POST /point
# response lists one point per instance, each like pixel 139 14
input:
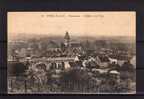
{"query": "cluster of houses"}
pixel 67 51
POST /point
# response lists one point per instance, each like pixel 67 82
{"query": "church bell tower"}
pixel 67 39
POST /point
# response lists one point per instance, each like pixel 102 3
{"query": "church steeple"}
pixel 67 38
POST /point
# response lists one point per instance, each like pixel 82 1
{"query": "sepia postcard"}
pixel 71 52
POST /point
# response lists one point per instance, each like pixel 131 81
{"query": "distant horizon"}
pixel 47 35
pixel 26 37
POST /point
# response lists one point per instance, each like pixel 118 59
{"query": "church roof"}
pixel 75 44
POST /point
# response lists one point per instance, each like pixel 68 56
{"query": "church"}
pixel 72 47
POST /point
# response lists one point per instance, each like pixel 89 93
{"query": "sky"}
pixel 120 23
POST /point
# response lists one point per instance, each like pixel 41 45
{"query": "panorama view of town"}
pixel 71 64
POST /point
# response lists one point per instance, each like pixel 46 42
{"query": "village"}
pixel 71 66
